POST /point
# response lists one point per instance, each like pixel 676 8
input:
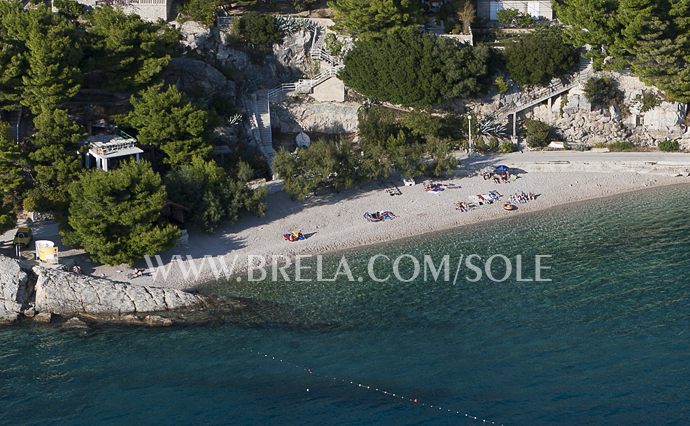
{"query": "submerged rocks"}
pixel 67 294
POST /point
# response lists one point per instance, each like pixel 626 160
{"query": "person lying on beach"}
pixel 497 179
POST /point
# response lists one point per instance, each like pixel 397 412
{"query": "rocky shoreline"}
pixel 54 296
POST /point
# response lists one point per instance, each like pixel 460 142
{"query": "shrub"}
pixel 538 57
pixel 203 11
pixel 259 31
pixel 333 45
pixel 538 133
pixel 524 21
pixel 507 16
pixel 502 85
pixel 619 146
pixel 603 92
pixel 506 147
pixel 669 146
pixel 648 100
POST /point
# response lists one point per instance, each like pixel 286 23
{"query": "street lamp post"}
pixel 470 145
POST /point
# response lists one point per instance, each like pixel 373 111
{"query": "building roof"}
pixel 111 146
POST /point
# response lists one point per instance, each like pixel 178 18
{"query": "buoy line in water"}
pixel 412 400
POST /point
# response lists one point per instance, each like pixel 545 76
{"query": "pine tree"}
pixel 53 55
pixel 168 121
pixel 212 195
pixel 11 174
pixel 55 161
pixel 374 16
pixel 125 51
pixel 12 55
pixel 114 215
pixel 591 22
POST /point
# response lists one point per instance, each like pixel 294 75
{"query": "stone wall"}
pixel 575 119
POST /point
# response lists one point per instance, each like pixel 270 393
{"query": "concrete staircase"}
pixel 259 103
pixel 545 93
pixel 263 122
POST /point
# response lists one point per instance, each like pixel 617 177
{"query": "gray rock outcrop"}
pixel 200 80
pixel 317 117
pixel 66 294
pixel 13 282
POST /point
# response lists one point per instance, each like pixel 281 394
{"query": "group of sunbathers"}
pixel 522 197
pixel 480 199
pixel 498 177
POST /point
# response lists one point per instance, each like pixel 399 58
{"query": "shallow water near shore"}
pixel 606 341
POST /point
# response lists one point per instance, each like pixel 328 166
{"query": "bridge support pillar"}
pixel 514 124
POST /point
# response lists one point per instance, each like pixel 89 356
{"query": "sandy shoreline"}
pixel 337 223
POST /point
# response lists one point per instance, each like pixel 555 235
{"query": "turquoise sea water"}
pixel 606 341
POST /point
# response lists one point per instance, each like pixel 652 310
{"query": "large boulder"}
pixel 666 120
pixel 66 294
pixel 194 35
pixel 317 117
pixel 200 80
pixel 13 282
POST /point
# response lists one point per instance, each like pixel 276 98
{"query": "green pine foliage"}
pixel 259 31
pixel 415 69
pixel 211 195
pixel 52 53
pixel 412 145
pixel 11 174
pixel 203 11
pixel 165 119
pixel 114 216
pixel 538 57
pixel 124 52
pixel 55 160
pixel 374 16
pixel 324 163
pixel 12 54
pixel 651 37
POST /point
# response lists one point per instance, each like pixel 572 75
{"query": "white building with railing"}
pixel 150 10
pixel 106 152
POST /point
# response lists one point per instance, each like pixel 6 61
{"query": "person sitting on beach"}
pixel 497 179
pixel 486 176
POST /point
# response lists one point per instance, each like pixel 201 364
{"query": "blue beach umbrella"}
pixel 501 168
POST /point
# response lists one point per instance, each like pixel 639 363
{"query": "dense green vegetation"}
pixel 603 92
pixel 323 164
pixel 373 17
pixel 391 143
pixel 211 195
pixel 55 159
pixel 538 57
pixel 538 133
pixel 165 119
pixel 46 59
pixel 412 68
pixel 203 11
pixel 261 32
pixel 650 36
pixel 113 215
pixel 669 145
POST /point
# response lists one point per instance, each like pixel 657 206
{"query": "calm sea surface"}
pixel 606 341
